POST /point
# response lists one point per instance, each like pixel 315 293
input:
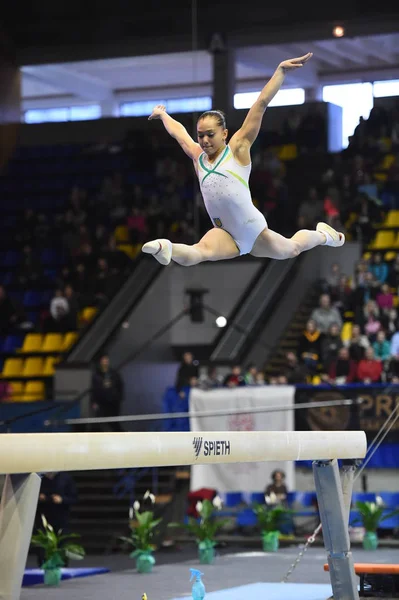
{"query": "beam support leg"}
pixel 334 520
pixel 17 517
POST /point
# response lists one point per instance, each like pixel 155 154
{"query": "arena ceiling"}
pixel 80 49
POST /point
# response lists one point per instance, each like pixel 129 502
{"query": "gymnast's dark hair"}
pixel 216 114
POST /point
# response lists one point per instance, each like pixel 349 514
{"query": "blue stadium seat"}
pixel 258 497
pixel 363 497
pixel 32 298
pixel 390 499
pixel 12 342
pixel 246 518
pixel 231 499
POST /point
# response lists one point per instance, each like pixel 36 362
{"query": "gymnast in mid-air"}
pixel 223 171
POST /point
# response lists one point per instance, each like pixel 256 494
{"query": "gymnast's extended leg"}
pixel 215 245
pixel 270 244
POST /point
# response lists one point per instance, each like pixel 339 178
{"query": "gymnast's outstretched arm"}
pixel 177 131
pixel 243 139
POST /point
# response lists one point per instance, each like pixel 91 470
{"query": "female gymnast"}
pixel 223 171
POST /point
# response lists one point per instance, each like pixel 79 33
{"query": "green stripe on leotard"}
pixel 210 171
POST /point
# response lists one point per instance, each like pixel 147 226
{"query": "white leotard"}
pixel 227 197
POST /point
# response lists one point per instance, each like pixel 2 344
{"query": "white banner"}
pixel 241 477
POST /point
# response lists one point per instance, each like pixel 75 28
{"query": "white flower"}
pixel 150 496
pixel 380 501
pixel 271 499
pixel 136 505
pixel 131 513
pixel 44 521
pixel 217 502
pixel 198 506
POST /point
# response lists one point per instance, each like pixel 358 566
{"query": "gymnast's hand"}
pixel 295 63
pixel 157 112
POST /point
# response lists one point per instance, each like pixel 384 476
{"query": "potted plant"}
pixel 205 528
pixel 142 528
pixel 57 548
pixel 371 514
pixel 270 519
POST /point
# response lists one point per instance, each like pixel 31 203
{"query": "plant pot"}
pixel 206 555
pixel 52 576
pixel 370 540
pixel 145 562
pixel 270 541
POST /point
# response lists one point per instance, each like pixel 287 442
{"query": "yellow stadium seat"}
pixel 288 152
pixel 121 234
pixel 89 312
pixel 12 367
pixel 33 367
pixel 316 380
pixel 69 340
pixel 48 369
pixel 390 256
pixel 17 389
pixel 396 301
pixel 392 219
pixel 34 391
pixel 346 332
pixel 383 240
pixel 52 342
pixel 366 256
pixel 32 343
pixel 128 249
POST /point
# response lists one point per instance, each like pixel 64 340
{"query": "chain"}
pixel 309 541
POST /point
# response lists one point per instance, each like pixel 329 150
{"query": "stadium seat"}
pixel 392 219
pixel 32 298
pixel 121 234
pixel 363 497
pixel 88 313
pixel 32 343
pixel 34 391
pixel 17 389
pixel 231 499
pixel 48 368
pixel 346 332
pixel 383 240
pixel 128 249
pixel 33 367
pixel 12 367
pixel 12 342
pixel 52 342
pixel 390 256
pixel 69 340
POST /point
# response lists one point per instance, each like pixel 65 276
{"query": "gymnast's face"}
pixel 211 136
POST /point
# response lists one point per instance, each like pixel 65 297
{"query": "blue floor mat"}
pixel 35 576
pixel 272 591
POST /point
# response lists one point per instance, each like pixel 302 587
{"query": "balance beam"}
pixel 46 452
pixel 23 456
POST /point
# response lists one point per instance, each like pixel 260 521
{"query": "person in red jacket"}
pixel 344 369
pixel 369 369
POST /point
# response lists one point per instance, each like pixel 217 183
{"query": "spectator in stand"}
pixel 137 225
pixel 395 346
pixel 310 210
pixel 342 296
pixel 250 374
pixel 331 345
pixel 73 306
pixel 372 323
pixel 385 298
pixel 211 381
pixel 235 378
pixel 59 312
pixel 343 370
pixel 357 344
pixel 11 314
pixel 381 347
pixel 369 369
pixel 333 279
pixel 326 315
pixel 393 276
pixel 188 372
pixel 106 394
pixel 293 371
pixel 276 492
pixel 309 347
pixel 29 270
pixel 260 378
pixel 390 323
pixel 379 268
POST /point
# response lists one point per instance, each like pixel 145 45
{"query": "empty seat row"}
pixel 31 391
pixel 48 256
pixel 29 367
pixel 50 342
